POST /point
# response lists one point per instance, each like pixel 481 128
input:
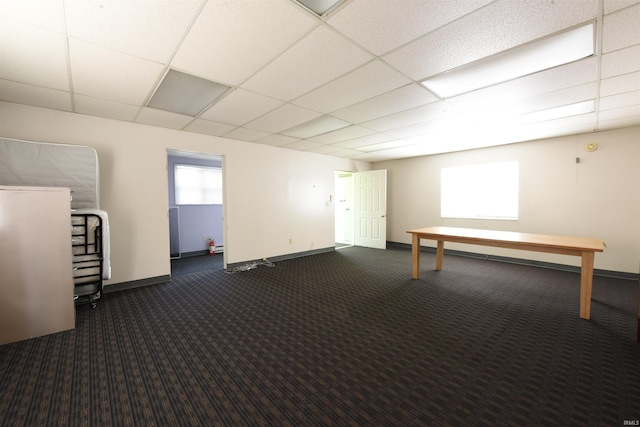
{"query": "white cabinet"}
pixel 36 278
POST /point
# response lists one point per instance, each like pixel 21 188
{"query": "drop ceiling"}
pixel 346 83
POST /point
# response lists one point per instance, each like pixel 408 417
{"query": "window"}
pixel 198 185
pixel 486 191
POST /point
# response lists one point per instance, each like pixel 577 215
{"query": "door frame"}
pixel 344 200
pixel 206 156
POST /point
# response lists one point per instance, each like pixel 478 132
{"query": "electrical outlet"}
pixel 290 240
pixel 204 237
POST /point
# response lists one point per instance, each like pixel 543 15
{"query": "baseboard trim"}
pixel 232 266
pixel 522 261
pixel 218 249
pixel 123 286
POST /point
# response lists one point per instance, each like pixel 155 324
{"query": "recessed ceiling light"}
pixel 319 7
pixel 185 94
pixel 530 58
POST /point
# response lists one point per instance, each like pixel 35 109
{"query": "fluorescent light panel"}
pixel 527 59
pixel 185 94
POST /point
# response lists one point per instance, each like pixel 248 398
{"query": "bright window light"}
pixel 198 185
pixel 485 191
pixel 527 59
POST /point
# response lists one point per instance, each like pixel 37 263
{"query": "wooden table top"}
pixel 480 236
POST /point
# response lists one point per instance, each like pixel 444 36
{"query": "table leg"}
pixel 586 283
pixel 415 255
pixel 638 329
pixel 439 255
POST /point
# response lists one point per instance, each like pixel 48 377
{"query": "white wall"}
pixel 598 197
pixel 272 194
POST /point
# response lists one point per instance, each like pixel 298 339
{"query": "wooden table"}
pixel 577 246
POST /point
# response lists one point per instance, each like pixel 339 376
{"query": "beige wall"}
pixel 598 197
pixel 272 194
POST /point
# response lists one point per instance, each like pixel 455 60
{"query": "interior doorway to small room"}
pixel 344 209
pixel 196 211
pixel 360 209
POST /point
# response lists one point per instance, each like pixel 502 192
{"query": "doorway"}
pixel 360 209
pixel 344 219
pixel 195 225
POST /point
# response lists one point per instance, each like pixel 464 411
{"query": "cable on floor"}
pixel 251 266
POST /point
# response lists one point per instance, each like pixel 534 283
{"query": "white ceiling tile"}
pixel 325 149
pixel 499 26
pixel 35 95
pixel 231 40
pixel 621 29
pixel 240 107
pixel 108 109
pixel 621 62
pixel 317 59
pixel 628 99
pixel 347 153
pixel 368 81
pixel 416 115
pixel 282 118
pixel 350 132
pixel 418 129
pixel 581 120
pixel 620 84
pixel 548 100
pixel 208 128
pixel 390 24
pixel 364 141
pixel 33 56
pixel 161 118
pixel 303 145
pixel 149 29
pixel 385 145
pixel 116 51
pixel 44 14
pixel 569 126
pixel 388 154
pixel 245 134
pixel 613 5
pixel 404 98
pixel 277 140
pixel 317 126
pixel 107 74
pixel 627 116
pixel 632 112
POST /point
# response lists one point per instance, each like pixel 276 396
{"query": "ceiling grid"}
pixel 346 82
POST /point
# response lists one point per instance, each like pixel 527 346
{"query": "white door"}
pixel 371 209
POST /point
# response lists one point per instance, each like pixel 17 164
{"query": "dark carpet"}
pixel 344 338
pixel 196 264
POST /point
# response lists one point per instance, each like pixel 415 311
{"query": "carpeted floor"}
pixel 344 338
pixel 195 264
